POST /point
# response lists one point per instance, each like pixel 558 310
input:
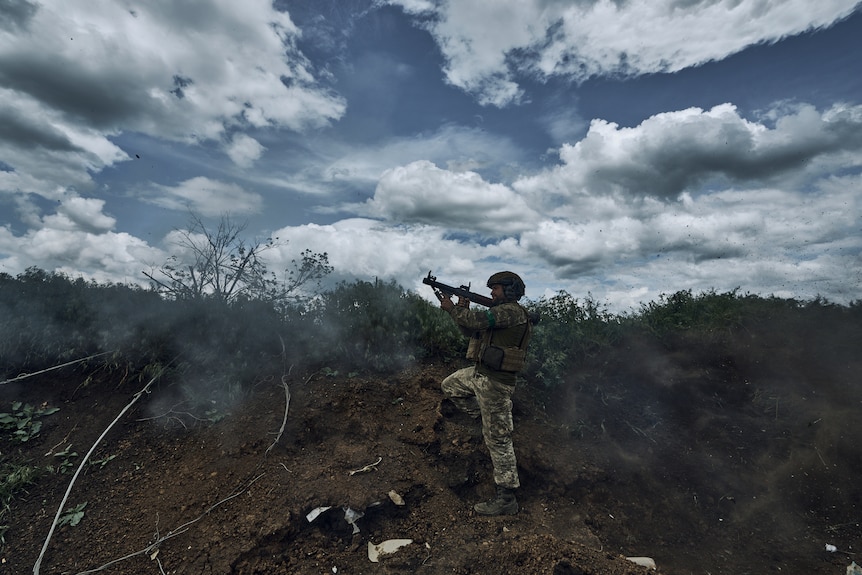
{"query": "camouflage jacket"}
pixel 505 326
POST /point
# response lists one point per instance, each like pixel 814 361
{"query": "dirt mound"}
pixel 706 463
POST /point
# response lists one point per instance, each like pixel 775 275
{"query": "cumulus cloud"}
pixel 421 192
pixel 368 249
pixel 244 150
pixel 458 148
pixel 45 151
pixel 66 242
pixel 77 74
pixel 81 214
pixel 206 197
pixel 692 199
pixel 488 46
pixel 674 151
pixel 364 248
pixel 761 239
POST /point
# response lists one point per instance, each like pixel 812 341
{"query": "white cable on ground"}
pixel 26 375
pixel 81 466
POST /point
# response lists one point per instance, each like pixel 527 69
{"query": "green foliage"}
pixel 24 420
pixel 47 319
pixel 64 460
pixel 682 311
pixel 569 331
pixel 215 346
pixel 14 479
pixel 101 463
pixel 73 516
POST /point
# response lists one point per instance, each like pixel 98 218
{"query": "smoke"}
pixel 752 434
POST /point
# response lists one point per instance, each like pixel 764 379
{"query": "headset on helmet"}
pixel 513 285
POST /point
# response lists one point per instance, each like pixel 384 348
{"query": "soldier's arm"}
pixel 497 317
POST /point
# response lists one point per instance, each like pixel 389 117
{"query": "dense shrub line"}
pixel 48 318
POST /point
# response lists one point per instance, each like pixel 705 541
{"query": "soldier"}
pixel 498 342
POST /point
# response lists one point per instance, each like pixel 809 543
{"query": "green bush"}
pixel 682 311
pixel 568 331
pixel 216 348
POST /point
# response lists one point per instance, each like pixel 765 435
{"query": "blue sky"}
pixel 623 149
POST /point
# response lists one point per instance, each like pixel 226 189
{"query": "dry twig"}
pixel 284 379
pixel 369 467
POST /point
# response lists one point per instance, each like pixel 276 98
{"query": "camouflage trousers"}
pixel 477 394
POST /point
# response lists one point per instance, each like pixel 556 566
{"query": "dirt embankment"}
pixel 725 461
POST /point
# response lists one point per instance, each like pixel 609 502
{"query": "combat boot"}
pixel 503 504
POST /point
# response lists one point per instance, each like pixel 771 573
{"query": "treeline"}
pixel 48 319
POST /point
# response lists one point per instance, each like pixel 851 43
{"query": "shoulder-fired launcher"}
pixel 463 291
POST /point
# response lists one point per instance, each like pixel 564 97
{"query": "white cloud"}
pixel 330 165
pixel 488 45
pixel 676 151
pixel 456 147
pixel 244 150
pixel 367 248
pixel 421 192
pixel 763 240
pixel 77 73
pixel 81 214
pixel 629 206
pixel 103 257
pixel 206 197
pixel 636 212
pixel 47 151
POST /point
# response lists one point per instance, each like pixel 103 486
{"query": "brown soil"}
pixel 743 461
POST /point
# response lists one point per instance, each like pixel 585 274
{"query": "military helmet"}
pixel 513 285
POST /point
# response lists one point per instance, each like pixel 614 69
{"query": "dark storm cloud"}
pixel 28 132
pixel 16 14
pixel 85 94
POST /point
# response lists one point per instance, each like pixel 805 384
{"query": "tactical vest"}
pixel 502 349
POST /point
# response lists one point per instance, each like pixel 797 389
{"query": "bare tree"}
pixel 220 264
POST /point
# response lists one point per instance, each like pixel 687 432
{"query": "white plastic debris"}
pixel 385 548
pixel 315 513
pixel 351 515
pixel 396 499
pixel 643 561
pixel 831 548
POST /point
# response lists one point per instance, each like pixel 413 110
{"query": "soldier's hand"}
pixel 463 302
pixel 446 303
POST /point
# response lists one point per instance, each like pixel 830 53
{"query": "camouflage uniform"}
pixel 486 391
